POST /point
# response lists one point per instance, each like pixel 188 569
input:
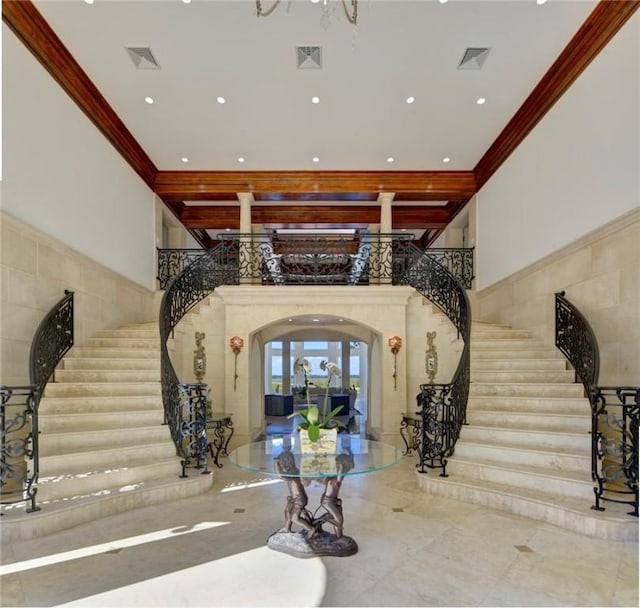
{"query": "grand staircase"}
pixel 527 446
pixel 103 446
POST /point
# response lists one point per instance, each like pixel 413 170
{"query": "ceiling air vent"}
pixel 473 58
pixel 142 58
pixel 309 57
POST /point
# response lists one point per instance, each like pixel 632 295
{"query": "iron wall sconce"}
pixel 395 344
pixel 236 343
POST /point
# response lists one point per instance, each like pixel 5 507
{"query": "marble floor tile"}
pixel 414 550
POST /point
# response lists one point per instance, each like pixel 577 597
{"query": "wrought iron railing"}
pixel 614 465
pixel 577 342
pixel 19 455
pixel 316 259
pixel 19 445
pixel 614 411
pixel 52 340
pixel 442 407
pixel 185 291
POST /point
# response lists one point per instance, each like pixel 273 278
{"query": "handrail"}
pixel 318 259
pixel 575 338
pixel 185 291
pixel 442 407
pixel 614 411
pixel 52 340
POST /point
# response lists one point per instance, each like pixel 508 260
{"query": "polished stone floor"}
pixel 414 550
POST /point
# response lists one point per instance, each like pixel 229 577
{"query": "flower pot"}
pixel 326 443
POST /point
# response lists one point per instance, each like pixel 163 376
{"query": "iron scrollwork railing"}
pixel 19 448
pixel 19 454
pixel 185 291
pixel 52 340
pixel 318 259
pixel 577 342
pixel 614 411
pixel 192 423
pixel 442 407
pixel 615 419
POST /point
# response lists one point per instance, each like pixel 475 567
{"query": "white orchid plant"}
pixel 312 421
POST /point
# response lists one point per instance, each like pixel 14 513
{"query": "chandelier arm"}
pixel 353 17
pixel 262 13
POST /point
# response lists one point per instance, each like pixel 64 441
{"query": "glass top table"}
pixel 281 457
pixel 353 456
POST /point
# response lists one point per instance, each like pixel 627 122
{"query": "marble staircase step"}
pixel 61 423
pixel 527 438
pixel 526 389
pixel 505 352
pixel 61 514
pixel 512 364
pixel 114 457
pixel 99 363
pixel 97 404
pixel 152 333
pixel 565 423
pixel 578 406
pixel 130 343
pixel 566 512
pixel 494 333
pixel 558 458
pixel 106 389
pixel 519 376
pixel 113 353
pixel 106 375
pixel 88 481
pixel 564 483
pixel 506 343
pixel 53 444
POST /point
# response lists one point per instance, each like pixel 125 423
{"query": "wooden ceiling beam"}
pixel 212 185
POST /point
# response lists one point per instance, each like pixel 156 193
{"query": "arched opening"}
pixel 315 338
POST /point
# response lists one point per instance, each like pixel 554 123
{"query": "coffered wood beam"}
pixel 221 185
pixel 602 24
pixel 35 33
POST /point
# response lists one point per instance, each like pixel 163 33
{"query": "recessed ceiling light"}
pixel 390 159
pixel 443 1
pixel 184 159
pixel 340 320
pixel 149 100
pixel 227 229
pixel 88 1
pixel 403 229
pixel 186 1
pixel 221 100
pixel 315 1
pixel 315 100
pixel 480 100
pixel 240 159
pixel 316 320
pixel 541 2
pixel 315 159
pixel 446 159
pixel 410 99
pixel 290 320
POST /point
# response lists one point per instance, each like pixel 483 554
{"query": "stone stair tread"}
pixel 576 476
pixel 549 499
pixel 62 514
pixel 76 405
pixel 479 427
pixel 506 445
pixel 529 413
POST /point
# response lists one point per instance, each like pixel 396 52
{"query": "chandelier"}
pixel 352 15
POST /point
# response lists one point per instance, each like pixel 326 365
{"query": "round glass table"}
pixel 280 456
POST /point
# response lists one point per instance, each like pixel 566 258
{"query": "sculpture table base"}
pixel 299 544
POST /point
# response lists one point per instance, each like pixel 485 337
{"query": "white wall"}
pixel 62 176
pixel 577 170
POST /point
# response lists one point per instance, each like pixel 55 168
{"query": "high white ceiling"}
pixel 208 49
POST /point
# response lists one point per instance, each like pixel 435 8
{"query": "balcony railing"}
pixel 363 259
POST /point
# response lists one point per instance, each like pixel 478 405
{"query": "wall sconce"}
pixel 395 344
pixel 236 343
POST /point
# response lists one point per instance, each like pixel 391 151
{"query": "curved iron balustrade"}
pixel 51 342
pixel 19 454
pixel 442 407
pixel 19 428
pixel 614 411
pixel 389 258
pixel 577 342
pixel 318 259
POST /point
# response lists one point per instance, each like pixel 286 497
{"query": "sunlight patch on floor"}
pixel 122 543
pixel 258 577
pixel 249 484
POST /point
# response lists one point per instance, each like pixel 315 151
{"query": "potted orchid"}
pixel 314 423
